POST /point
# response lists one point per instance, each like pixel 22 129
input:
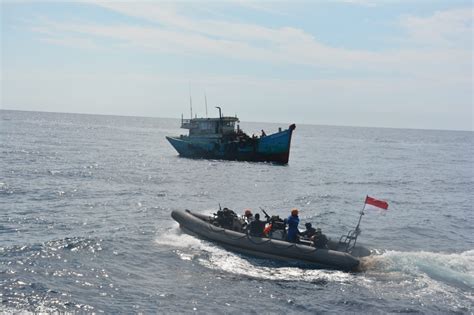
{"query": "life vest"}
pixel 267 230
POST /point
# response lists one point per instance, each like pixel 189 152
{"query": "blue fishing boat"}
pixel 221 138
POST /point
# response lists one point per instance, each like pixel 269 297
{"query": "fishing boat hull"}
pixel 272 148
pixel 331 258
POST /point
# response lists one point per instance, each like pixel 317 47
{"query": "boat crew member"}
pixel 293 221
pixel 319 239
pixel 309 232
pixel 248 216
pixel 228 219
pixel 267 230
pixel 263 133
pixel 256 227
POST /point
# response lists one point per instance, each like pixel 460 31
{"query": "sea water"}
pixel 85 225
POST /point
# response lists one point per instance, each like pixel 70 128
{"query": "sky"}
pixel 386 63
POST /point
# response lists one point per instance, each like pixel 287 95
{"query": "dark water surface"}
pixel 85 224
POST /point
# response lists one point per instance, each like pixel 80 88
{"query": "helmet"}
pixel 248 212
pixel 294 211
pixel 307 225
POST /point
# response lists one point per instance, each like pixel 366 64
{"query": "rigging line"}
pixel 256 243
pixel 224 231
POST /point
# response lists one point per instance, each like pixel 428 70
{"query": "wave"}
pixel 448 269
pixel 425 278
pixel 454 269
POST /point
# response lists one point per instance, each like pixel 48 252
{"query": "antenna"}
pixel 190 101
pixel 205 100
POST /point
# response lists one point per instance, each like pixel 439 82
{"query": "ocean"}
pixel 85 225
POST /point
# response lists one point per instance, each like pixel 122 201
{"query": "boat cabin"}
pixel 209 126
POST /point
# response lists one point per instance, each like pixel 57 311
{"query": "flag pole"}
pixel 360 218
pixel 351 237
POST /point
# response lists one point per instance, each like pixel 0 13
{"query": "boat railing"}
pixel 187 124
pixel 350 239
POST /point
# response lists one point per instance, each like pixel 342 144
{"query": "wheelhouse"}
pixel 209 126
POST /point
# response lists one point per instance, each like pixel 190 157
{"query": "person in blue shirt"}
pixel 293 221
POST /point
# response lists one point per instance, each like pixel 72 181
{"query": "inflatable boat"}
pixel 337 254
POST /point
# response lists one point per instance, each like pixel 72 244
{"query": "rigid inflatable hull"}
pixel 264 247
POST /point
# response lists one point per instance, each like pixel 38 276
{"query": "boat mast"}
pixel 205 100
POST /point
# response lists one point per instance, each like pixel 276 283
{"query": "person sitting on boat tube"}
pixel 256 227
pixel 319 239
pixel 293 221
pixel 309 232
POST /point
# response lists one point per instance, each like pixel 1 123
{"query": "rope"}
pixel 261 243
pixel 313 249
pixel 224 231
pixel 283 247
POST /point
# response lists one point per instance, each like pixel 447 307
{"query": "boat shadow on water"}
pixel 227 160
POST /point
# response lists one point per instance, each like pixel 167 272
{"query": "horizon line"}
pixel 270 122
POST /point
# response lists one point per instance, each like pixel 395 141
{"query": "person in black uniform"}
pixel 319 239
pixel 256 227
pixel 310 231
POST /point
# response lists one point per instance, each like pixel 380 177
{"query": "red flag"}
pixel 377 203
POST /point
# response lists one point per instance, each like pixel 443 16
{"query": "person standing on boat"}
pixel 246 219
pixel 248 216
pixel 293 221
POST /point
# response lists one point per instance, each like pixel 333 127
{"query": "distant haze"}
pixel 404 64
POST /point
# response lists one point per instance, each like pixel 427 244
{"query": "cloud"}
pixel 174 33
pixel 262 6
pixel 429 72
pixel 366 3
pixel 169 31
pixel 443 28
